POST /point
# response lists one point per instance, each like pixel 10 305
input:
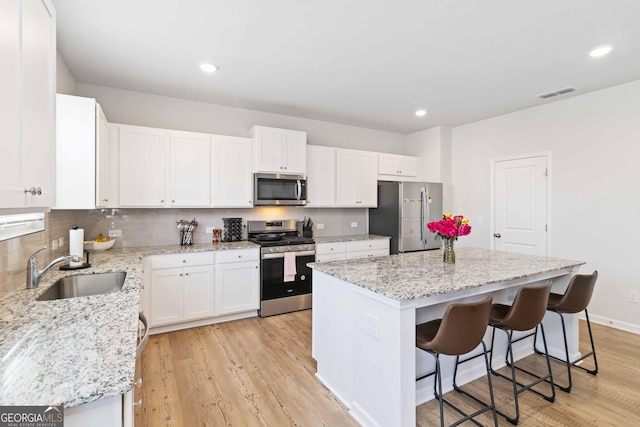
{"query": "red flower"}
pixel 450 227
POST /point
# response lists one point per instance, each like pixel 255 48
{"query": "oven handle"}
pixel 281 254
pixel 298 190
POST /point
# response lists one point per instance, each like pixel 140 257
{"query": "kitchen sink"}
pixel 84 285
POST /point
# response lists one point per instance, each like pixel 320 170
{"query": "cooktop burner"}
pixel 276 233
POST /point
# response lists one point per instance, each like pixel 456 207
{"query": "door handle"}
pixel 497 235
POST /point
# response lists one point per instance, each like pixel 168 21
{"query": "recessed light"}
pixel 600 51
pixel 209 68
pixel 421 113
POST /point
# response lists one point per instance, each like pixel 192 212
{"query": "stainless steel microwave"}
pixel 279 190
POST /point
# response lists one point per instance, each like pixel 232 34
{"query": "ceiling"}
pixel 368 63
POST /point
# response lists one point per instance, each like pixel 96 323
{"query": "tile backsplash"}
pixel 14 253
pixel 151 227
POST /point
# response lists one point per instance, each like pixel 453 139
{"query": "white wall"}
pixel 595 182
pixel 65 82
pixel 136 108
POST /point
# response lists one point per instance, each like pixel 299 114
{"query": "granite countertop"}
pixel 415 275
pixel 77 350
pixel 354 238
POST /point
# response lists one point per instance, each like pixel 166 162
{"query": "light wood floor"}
pixel 259 372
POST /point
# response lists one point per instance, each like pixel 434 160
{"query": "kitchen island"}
pixel 365 312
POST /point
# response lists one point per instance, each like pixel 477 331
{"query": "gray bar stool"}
pixel 459 331
pixel 526 313
pixel 575 299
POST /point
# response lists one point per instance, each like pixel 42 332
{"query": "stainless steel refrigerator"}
pixel 404 209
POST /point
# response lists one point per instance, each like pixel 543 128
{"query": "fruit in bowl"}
pixel 101 243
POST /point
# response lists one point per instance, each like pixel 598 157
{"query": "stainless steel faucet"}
pixel 34 275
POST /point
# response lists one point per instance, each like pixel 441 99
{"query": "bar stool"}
pixel 526 313
pixel 575 299
pixel 460 330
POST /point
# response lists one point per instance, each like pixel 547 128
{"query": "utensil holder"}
pixel 186 238
pixel 307 233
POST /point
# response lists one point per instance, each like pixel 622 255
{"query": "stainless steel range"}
pixel 285 279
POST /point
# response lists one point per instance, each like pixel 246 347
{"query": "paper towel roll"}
pixel 76 245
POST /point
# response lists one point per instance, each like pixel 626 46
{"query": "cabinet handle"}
pixel 38 191
pixel 186 274
pixel 138 383
pixel 285 168
pixel 173 201
pixel 105 200
pixel 31 191
pixel 138 403
pixel 184 260
pixel 180 274
pixel 239 256
pixel 162 201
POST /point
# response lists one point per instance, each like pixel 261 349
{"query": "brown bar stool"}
pixel 575 299
pixel 459 331
pixel 526 313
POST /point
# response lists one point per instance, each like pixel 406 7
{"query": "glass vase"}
pixel 448 254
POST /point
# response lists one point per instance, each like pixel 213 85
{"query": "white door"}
pixel 198 292
pixel 368 177
pixel 237 287
pixel 347 178
pixel 231 177
pixel 190 169
pixel 294 152
pixel 269 150
pixel 520 205
pixel 321 176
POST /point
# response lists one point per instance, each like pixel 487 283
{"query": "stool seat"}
pixel 460 330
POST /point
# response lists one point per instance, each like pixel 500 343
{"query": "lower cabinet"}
pixel 237 281
pixel 351 250
pixel 182 287
pixel 109 412
pixel 194 289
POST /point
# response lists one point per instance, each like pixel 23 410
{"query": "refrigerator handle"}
pixel 422 214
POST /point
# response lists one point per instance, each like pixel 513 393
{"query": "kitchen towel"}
pixel 76 245
pixel 289 266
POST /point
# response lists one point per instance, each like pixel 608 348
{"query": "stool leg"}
pixel 593 347
pixel 438 395
pixel 493 402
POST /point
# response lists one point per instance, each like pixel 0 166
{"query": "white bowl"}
pixel 93 246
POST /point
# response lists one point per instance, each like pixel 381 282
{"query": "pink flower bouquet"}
pixel 450 227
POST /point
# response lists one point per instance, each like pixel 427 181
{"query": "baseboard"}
pixel 201 322
pixel 623 326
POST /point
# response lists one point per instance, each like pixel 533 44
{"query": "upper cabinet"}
pixel 190 171
pixel 356 178
pixel 82 154
pixel 27 104
pixel 231 178
pixel 392 166
pixel 162 168
pixel 321 176
pixel 279 150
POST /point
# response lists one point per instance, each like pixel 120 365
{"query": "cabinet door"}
pixel 166 296
pixel 408 166
pixel 142 157
pixel 347 178
pixel 294 151
pixel 102 159
pixel 190 169
pixel 198 292
pixel 38 102
pixel 368 180
pixel 268 144
pixel 232 181
pixel 237 287
pixel 394 165
pixel 11 190
pixel 321 176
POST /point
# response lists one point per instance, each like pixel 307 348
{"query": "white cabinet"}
pixel 82 154
pixel 27 103
pixel 321 176
pixel 190 170
pixel 181 288
pixel 393 165
pixel 279 150
pixel 237 281
pixel 356 178
pixel 231 177
pixel 163 168
pixel 367 248
pixel 142 166
pixel 331 251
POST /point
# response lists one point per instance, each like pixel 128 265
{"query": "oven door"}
pixel 272 281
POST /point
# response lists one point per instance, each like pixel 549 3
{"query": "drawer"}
pixel 330 248
pixel 181 260
pixel 237 255
pixel 367 254
pixel 331 257
pixel 367 245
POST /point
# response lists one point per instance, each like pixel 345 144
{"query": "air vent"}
pixel 556 92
